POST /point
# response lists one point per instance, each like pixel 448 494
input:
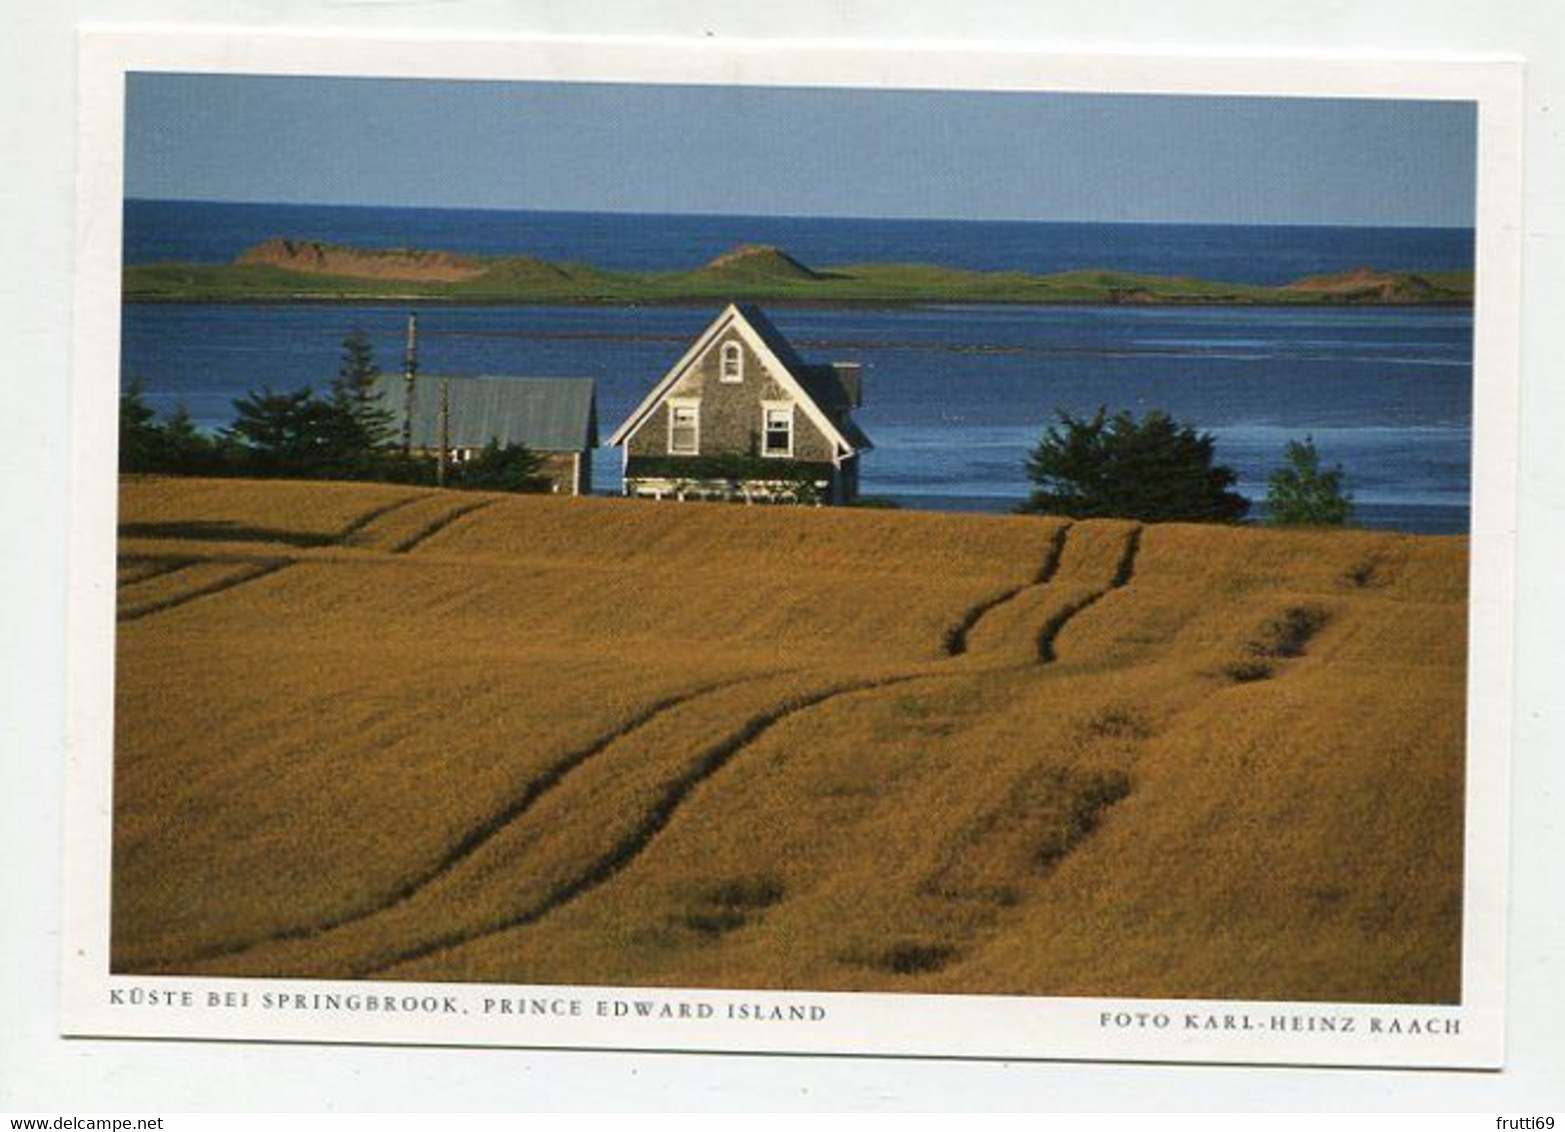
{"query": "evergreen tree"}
pixel 1154 470
pixel 1301 494
pixel 283 433
pixel 182 448
pixel 357 371
pixel 364 430
pixel 139 433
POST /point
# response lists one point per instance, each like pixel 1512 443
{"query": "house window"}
pixel 733 362
pixel 684 430
pixel 777 436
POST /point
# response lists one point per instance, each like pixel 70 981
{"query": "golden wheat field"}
pixel 370 731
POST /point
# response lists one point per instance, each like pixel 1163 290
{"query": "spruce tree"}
pixel 139 433
pixel 364 430
pixel 184 449
pixel 283 433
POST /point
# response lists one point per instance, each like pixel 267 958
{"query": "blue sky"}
pixel 764 151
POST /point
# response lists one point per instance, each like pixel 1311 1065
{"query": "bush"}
pixel 798 481
pixel 1152 470
pixel 1300 494
pixel 511 467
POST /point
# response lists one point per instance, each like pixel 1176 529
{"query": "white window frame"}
pixel 675 407
pixel 731 349
pixel 767 409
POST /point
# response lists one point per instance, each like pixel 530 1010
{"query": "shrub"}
pixel 1301 494
pixel 510 467
pixel 1152 470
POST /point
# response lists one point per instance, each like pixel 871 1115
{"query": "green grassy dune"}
pixel 292 271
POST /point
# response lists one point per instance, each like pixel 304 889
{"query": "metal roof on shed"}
pixel 547 414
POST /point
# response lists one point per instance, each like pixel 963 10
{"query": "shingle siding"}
pixel 730 412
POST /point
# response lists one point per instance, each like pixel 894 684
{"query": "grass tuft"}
pixel 1082 800
pixel 1286 636
pixel 910 958
pixel 731 904
pixel 1365 574
pixel 1249 671
pixel 1116 721
pixel 1281 638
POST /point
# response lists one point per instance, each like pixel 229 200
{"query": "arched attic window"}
pixel 732 362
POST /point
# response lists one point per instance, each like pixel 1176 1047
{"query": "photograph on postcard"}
pixel 793 538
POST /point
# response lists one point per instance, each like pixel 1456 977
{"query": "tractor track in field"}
pixel 162 567
pixel 719 755
pixel 477 837
pixel 265 568
pixel 657 817
pixel 955 642
pixel 1051 561
pixel 347 535
pixel 652 823
pixel 259 570
pixel 433 528
pixel 663 811
pixel 1123 573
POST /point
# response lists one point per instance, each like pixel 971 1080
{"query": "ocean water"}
pixel 954 395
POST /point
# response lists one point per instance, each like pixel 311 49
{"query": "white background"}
pixel 42 1072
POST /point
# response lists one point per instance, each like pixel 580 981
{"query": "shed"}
pixel 555 417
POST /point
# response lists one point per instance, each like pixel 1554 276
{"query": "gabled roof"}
pixel 826 388
pixel 819 390
pixel 547 414
pixel 780 347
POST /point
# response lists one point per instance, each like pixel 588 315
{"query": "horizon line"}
pixel 1470 227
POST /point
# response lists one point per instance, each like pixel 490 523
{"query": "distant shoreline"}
pixel 288 271
pixel 702 301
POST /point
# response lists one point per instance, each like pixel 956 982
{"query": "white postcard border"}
pixel 95 1003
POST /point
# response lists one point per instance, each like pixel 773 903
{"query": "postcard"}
pixel 747 547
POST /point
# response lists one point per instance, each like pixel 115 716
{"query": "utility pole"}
pixel 409 380
pixel 445 432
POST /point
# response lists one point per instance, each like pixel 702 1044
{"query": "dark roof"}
pixel 547 414
pixel 773 338
pixel 825 386
pixel 836 393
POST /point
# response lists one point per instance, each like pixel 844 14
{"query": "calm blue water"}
pixel 954 395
